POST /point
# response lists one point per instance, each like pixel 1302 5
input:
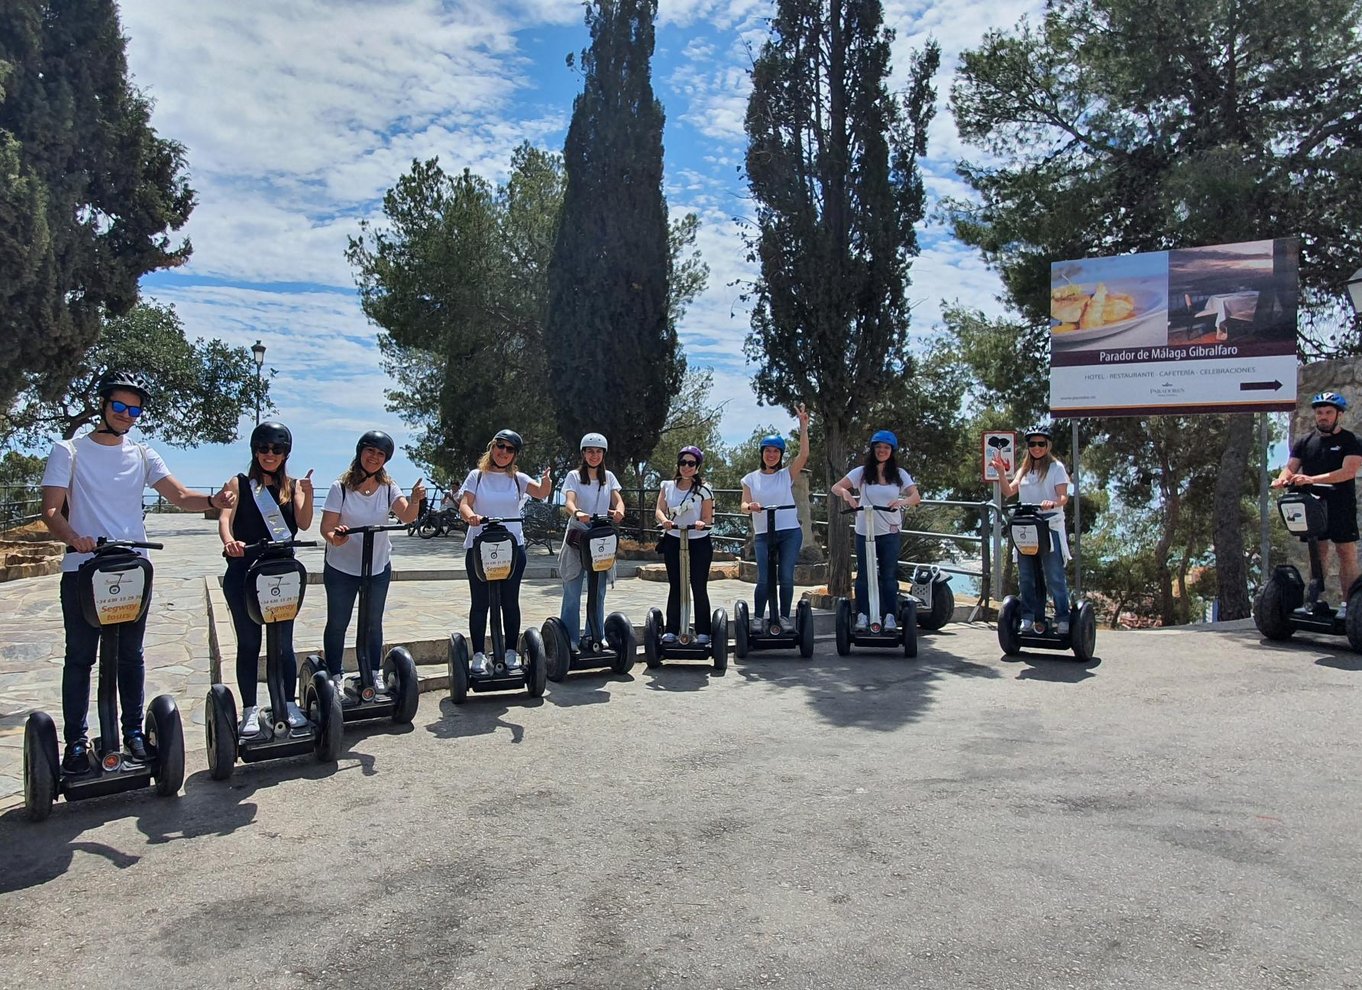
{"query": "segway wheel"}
pixel 943 607
pixel 165 732
pixel 718 639
pixel 804 628
pixel 741 626
pixel 908 626
pixel 331 723
pixel 619 633
pixel 536 663
pixel 652 638
pixel 220 731
pixel 843 627
pixel 1270 613
pixel 399 671
pixel 1009 625
pixel 1083 631
pixel 307 668
pixel 458 668
pixel 1352 623
pixel 41 766
pixel 557 649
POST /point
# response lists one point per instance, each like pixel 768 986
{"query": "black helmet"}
pixel 275 433
pixel 511 437
pixel 379 441
pixel 115 379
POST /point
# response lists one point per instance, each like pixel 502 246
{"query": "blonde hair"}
pixel 356 476
pixel 485 463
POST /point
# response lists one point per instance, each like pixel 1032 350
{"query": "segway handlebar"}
pixel 268 544
pixel 1032 509
pixel 861 508
pixel 774 508
pixel 498 520
pixel 361 530
pixel 104 543
pixel 682 529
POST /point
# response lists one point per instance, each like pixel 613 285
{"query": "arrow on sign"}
pixel 1272 386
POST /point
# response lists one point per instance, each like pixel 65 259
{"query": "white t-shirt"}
pixel 885 522
pixel 684 507
pixel 106 494
pixel 772 489
pixel 496 494
pixel 591 497
pixel 1034 490
pixel 357 509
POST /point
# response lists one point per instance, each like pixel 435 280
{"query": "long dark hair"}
pixel 256 473
pixel 584 472
pixel 697 480
pixel 870 470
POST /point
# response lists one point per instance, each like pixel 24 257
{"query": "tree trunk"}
pixel 839 542
pixel 1172 509
pixel 1230 566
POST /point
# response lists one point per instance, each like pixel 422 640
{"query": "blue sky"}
pixel 298 116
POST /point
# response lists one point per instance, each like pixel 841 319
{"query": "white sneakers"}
pixel 702 639
pixel 862 623
pixel 296 718
pixel 379 686
pixel 512 661
pixel 787 624
pixel 1062 627
pixel 250 721
pixel 889 622
pixel 1028 626
pixel 669 638
pixel 479 665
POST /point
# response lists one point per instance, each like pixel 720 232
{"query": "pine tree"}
pixel 832 165
pixel 611 339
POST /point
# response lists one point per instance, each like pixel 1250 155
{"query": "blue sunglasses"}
pixel 123 407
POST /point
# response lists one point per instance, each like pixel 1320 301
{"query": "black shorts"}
pixel 1342 520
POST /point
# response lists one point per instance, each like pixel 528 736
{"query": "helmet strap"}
pixel 107 427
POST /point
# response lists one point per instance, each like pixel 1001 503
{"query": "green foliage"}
pixel 692 420
pixel 202 388
pixel 21 470
pixel 832 167
pixel 613 284
pixel 88 191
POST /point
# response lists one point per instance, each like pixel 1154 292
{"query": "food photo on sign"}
pixel 1109 302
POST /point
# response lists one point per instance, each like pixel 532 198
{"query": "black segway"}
pixel 687 645
pixel 275 585
pixel 114 590
pixel 494 553
pixel 614 646
pixel 1029 529
pixel 930 587
pixel 875 635
pixel 772 635
pixel 1286 603
pixel 402 689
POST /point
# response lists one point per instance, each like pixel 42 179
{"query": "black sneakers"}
pixel 77 758
pixel 135 745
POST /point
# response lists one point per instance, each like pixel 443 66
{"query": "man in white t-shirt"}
pixel 92 488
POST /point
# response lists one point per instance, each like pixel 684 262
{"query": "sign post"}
pixel 1004 444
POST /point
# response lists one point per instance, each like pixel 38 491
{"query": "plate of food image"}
pixel 1080 312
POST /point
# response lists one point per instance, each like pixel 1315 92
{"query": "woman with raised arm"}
pixel 1042 480
pixel 773 484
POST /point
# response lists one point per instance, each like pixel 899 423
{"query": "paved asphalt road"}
pixel 1184 813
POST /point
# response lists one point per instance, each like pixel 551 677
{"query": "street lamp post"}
pixel 258 350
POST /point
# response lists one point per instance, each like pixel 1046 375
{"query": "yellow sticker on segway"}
pixel 498 559
pixel 278 595
pixel 1026 537
pixel 603 550
pixel 118 595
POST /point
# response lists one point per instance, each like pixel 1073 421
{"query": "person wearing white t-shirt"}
pixel 687 501
pixel 591 490
pixel 363 496
pixel 496 490
pixel 773 484
pixel 881 482
pixel 92 488
pixel 1041 480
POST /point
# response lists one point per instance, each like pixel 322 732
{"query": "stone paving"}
pixel 421 613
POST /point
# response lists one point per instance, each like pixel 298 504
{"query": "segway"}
pixel 930 587
pixel 402 689
pixel 614 646
pixel 1029 529
pixel 275 584
pixel 1286 603
pixel 687 645
pixel 875 635
pixel 494 553
pixel 114 590
pixel 772 635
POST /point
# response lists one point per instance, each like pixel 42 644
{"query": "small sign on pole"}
pixel 1003 443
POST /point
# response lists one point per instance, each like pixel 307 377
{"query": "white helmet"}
pixel 594 440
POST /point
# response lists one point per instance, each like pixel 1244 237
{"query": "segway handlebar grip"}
pixel 104 543
pixel 361 530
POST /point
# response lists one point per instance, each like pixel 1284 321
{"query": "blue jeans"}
pixel 571 611
pixel 788 542
pixel 887 557
pixel 82 649
pixel 1027 566
pixel 248 636
pixel 341 591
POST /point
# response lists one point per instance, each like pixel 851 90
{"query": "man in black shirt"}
pixel 1330 455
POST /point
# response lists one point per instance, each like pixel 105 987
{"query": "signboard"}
pixel 1209 329
pixel 1004 443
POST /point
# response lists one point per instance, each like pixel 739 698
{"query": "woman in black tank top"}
pixel 267 485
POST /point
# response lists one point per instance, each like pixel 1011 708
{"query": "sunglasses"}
pixel 123 407
pixel 503 446
pixel 687 463
pixel 1037 444
pixel 272 448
